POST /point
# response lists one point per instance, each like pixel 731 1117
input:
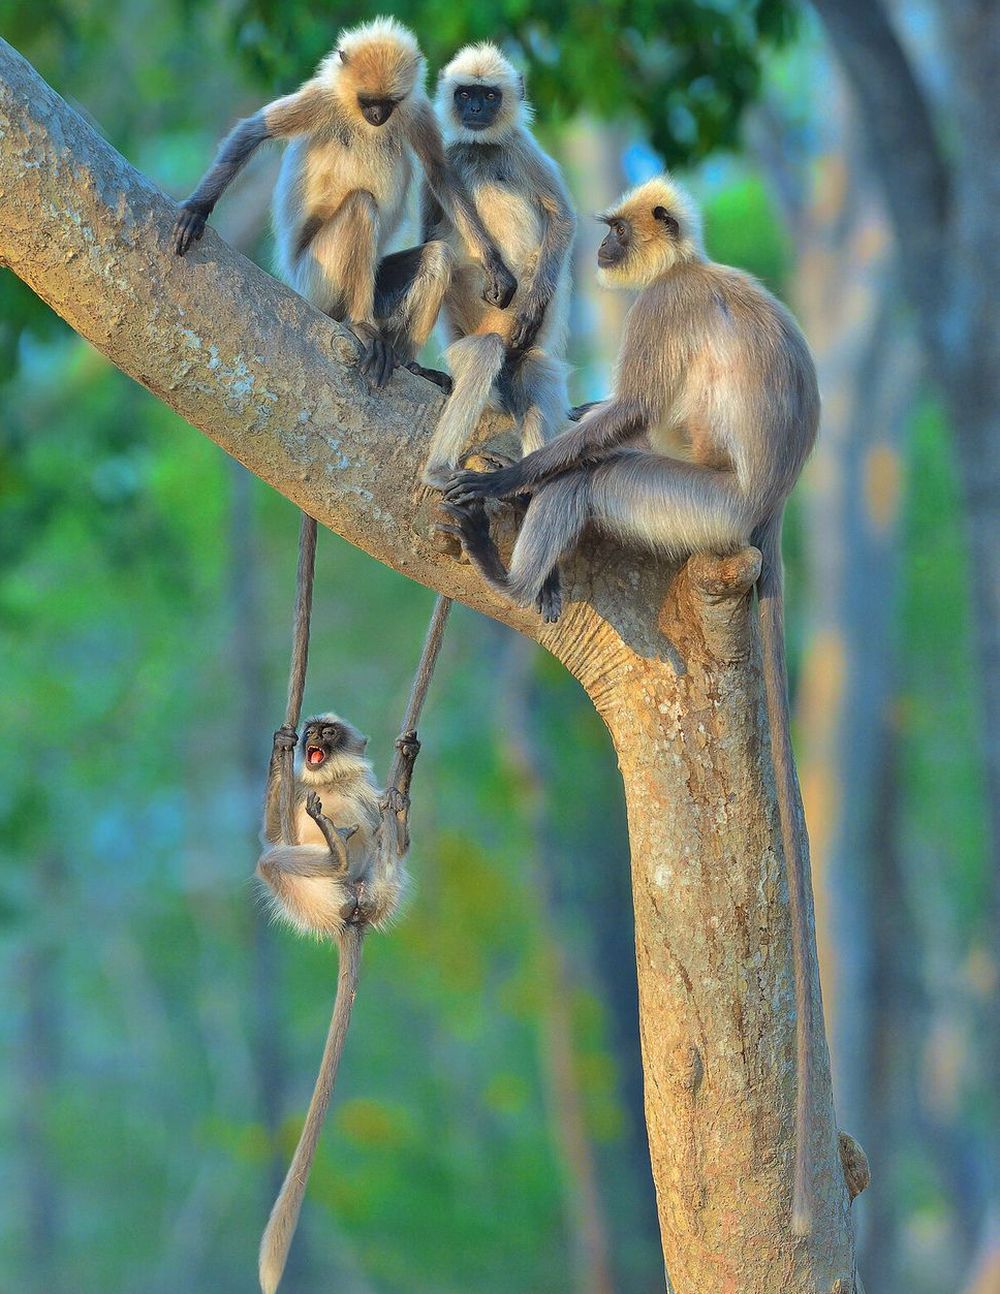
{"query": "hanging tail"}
pixel 277 1237
pixel 771 609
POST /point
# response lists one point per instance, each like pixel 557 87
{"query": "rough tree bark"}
pixel 669 659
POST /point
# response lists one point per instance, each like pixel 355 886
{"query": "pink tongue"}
pixel 316 757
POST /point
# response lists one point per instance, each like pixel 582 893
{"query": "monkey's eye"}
pixel 490 94
pixel 463 94
pixel 619 228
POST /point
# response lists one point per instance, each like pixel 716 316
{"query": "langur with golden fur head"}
pixel 353 132
pixel 714 411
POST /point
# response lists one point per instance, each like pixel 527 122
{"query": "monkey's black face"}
pixel 476 106
pixel 376 111
pixel 617 243
pixel 320 740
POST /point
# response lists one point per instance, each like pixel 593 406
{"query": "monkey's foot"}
pixel 394 800
pixel 379 358
pixel 435 375
pixel 470 525
pixel 549 600
pixel 408 745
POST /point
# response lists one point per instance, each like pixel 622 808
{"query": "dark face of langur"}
pixel 376 111
pixel 619 240
pixel 322 738
pixel 476 106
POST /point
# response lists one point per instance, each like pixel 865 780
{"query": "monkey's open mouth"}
pixel 315 755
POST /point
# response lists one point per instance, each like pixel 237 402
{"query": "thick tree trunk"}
pixel 669 662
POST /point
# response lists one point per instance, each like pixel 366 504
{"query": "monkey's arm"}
pixel 395 804
pixel 336 837
pixel 432 217
pixel 559 227
pixel 606 427
pixel 292 115
pixel 285 739
pixel 453 199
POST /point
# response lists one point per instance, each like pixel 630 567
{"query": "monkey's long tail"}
pixel 771 608
pixel 277 1237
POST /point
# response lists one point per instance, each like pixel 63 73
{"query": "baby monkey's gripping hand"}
pixel 500 283
pixel 285 738
pixel 190 225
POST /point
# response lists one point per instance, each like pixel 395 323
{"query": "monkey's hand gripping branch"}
pixel 395 803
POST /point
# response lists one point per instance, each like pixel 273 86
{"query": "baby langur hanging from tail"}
pixel 513 358
pixel 343 875
pixel 353 131
pixel 714 412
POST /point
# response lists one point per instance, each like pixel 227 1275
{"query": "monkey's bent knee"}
pixel 305 890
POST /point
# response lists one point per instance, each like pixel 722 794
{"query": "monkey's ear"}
pixel 521 91
pixel 364 744
pixel 342 55
pixel 663 215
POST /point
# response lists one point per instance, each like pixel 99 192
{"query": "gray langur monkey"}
pixel 343 874
pixel 714 411
pixel 514 358
pixel 353 131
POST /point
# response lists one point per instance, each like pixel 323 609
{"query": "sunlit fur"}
pixel 380 59
pixel 305 885
pixel 483 64
pixel 349 175
pixel 654 249
pixel 529 214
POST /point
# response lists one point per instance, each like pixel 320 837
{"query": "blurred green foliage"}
pixel 682 71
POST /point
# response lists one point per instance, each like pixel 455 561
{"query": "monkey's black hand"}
pixel 467 487
pixel 379 359
pixel 286 738
pixel 189 226
pixel 581 410
pixel 407 745
pixel 443 380
pixel 314 805
pixel 526 326
pixel 500 285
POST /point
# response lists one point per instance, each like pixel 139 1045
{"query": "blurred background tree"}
pixel 163 1038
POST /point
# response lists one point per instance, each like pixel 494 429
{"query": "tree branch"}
pixel 907 158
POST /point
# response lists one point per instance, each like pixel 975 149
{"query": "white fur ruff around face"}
pixel 482 64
